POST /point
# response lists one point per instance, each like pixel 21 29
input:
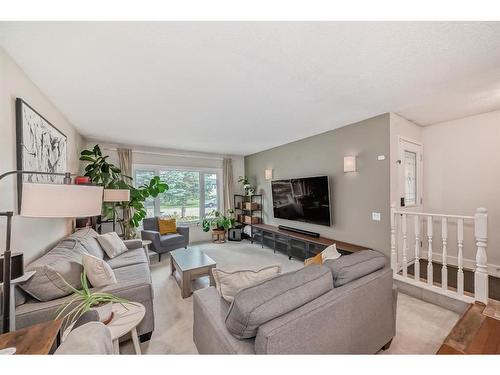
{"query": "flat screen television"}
pixel 305 199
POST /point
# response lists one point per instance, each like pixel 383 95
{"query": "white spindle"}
pixel 444 268
pixel 429 251
pixel 394 256
pixel 417 248
pixel 460 241
pixel 405 245
pixel 481 272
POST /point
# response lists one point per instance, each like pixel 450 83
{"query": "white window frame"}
pixel 417 147
pixel 202 170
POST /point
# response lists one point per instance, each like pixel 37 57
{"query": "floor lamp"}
pixel 46 201
pixel 114 196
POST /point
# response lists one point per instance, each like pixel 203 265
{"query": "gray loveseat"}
pixel 346 306
pixel 164 243
pixel 42 295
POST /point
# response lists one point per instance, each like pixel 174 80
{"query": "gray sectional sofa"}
pixel 42 295
pixel 345 306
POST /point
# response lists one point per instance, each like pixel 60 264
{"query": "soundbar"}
pixel 297 230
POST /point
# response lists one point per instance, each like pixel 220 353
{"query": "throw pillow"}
pixel 330 253
pixel 313 260
pixel 112 244
pixel 167 226
pixel 98 271
pixel 230 283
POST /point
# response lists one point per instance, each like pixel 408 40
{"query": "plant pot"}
pixel 105 312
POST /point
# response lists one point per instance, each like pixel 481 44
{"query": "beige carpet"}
pixel 421 326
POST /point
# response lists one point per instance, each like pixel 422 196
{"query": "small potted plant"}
pixel 247 187
pixel 216 221
pixel 84 300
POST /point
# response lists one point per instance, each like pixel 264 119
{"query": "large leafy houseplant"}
pixel 84 300
pixel 106 174
pixel 216 220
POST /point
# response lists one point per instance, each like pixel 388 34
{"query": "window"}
pixel 191 194
pixel 410 171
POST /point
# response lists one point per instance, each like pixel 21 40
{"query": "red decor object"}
pixel 82 180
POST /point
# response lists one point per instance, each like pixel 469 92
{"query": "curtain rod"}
pixel 167 154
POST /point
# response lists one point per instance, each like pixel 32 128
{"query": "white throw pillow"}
pixel 112 244
pixel 230 283
pixel 98 271
pixel 330 253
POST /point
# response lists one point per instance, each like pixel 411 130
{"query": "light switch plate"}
pixel 381 157
pixel 376 216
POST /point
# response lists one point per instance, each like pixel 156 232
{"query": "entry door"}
pixel 410 173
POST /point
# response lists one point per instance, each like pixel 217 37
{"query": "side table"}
pixel 145 245
pixel 126 318
pixel 36 339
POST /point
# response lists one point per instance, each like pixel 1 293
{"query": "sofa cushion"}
pixel 169 239
pixel 351 267
pixel 272 298
pixel 128 258
pixel 112 244
pixel 65 260
pixel 230 283
pixel 135 273
pixel 98 271
pixel 88 239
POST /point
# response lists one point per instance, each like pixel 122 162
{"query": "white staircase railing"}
pixel 401 260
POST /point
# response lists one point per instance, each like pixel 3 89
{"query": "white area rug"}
pixel 421 326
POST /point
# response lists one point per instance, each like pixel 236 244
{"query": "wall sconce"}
pixel 269 174
pixel 349 163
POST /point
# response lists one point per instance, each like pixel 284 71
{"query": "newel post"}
pixel 481 272
pixel 394 256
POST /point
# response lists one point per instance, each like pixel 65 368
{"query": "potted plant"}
pixel 247 187
pixel 217 221
pixel 85 300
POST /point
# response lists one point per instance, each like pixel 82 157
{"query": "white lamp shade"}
pixel 57 200
pixel 349 163
pixel 116 195
pixel 269 174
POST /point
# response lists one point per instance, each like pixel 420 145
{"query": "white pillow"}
pixel 98 271
pixel 112 244
pixel 330 253
pixel 230 283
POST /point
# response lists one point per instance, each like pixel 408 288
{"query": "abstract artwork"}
pixel 40 147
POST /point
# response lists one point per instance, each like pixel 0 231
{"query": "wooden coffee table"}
pixel 191 264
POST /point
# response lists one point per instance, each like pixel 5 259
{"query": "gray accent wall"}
pixel 353 196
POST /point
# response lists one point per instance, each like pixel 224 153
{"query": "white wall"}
pixel 31 236
pixel 176 158
pixel 462 173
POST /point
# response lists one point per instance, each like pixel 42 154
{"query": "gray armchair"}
pixel 164 243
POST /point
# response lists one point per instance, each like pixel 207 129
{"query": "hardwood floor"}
pixel 474 333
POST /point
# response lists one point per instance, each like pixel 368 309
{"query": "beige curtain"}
pixel 227 183
pixel 125 163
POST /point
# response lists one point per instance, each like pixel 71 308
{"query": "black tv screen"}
pixel 304 199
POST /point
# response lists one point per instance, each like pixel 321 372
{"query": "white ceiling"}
pixel 242 87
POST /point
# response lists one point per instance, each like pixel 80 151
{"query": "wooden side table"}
pixel 126 318
pixel 145 245
pixel 36 339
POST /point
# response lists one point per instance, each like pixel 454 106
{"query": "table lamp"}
pixel 46 201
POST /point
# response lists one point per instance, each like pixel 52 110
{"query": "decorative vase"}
pixel 105 312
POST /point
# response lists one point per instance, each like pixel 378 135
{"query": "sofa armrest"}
pixel 133 244
pixel 154 237
pixel 184 231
